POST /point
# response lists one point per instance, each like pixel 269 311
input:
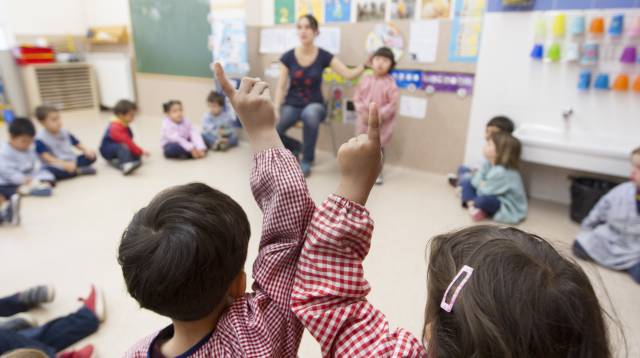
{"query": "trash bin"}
pixel 585 193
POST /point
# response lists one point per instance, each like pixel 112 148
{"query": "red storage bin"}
pixel 26 55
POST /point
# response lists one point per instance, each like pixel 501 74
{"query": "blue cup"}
pixel 602 81
pixel 584 81
pixel 537 53
pixel 617 25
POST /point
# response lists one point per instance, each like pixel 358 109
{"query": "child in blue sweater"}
pixel 496 189
pixel 217 125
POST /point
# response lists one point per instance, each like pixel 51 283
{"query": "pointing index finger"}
pixel 227 87
pixel 374 123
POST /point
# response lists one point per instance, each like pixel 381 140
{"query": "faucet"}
pixel 566 115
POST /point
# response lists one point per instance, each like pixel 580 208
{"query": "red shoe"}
pixel 95 303
pixel 477 214
pixel 84 352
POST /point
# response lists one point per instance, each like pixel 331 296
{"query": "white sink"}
pixel 575 149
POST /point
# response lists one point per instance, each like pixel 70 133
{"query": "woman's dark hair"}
pixel 166 106
pixel 503 123
pixel 43 111
pixel 21 126
pixel 124 107
pixel 215 97
pixel 180 253
pixel 524 299
pixel 313 22
pixel 508 149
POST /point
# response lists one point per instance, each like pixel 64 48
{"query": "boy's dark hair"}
pixel 635 151
pixel 523 299
pixel 215 97
pixel 42 112
pixel 313 22
pixel 503 123
pixel 387 53
pixel 123 107
pixel 21 126
pixel 508 149
pixel 180 253
pixel 166 106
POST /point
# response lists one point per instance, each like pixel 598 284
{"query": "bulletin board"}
pixel 435 143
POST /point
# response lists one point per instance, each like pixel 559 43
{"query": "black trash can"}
pixel 585 193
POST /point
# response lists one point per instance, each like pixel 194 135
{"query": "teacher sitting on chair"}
pixel 303 67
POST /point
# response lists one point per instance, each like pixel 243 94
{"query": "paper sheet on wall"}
pixel 228 41
pixel 281 40
pixel 413 107
pixel 423 41
pixel 329 39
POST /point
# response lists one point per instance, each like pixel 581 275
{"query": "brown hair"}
pixel 313 22
pixel 43 111
pixel 123 107
pixel 635 151
pixel 508 150
pixel 523 299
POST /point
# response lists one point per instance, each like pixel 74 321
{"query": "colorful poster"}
pixel 285 12
pixel 460 83
pixel 387 35
pixel 372 10
pixel 402 9
pixel 407 79
pixel 313 7
pixel 466 29
pixel 229 37
pixel 337 10
pixel 435 9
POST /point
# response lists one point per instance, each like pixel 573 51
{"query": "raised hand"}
pixel 252 102
pixel 360 161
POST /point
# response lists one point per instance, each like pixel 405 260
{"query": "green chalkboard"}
pixel 170 36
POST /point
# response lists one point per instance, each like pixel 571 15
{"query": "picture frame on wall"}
pixel 371 10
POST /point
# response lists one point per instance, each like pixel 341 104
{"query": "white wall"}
pixel 509 82
pixel 57 17
pixel 107 12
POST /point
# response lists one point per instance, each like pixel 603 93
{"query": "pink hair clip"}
pixel 459 281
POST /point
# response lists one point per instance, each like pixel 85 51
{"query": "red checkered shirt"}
pixel 329 294
pixel 261 324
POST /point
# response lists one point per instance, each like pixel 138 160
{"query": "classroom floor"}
pixel 70 240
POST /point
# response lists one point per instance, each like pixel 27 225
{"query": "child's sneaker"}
pixel 95 303
pixel 306 168
pixel 130 167
pixel 18 322
pixel 41 189
pixel 86 171
pixel 380 180
pixel 37 295
pixel 452 179
pixel 84 352
pixel 477 214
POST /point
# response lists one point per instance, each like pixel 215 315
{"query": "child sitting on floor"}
pixel 183 255
pixel 55 145
pixel 180 140
pixel 495 124
pixel 496 189
pixel 491 291
pixel 610 235
pixel 217 125
pixel 381 89
pixel 117 146
pixel 21 172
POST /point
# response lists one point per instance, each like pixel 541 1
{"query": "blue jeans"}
pixel 311 116
pixel 487 203
pixel 7 192
pixel 119 152
pixel 54 335
pixel 175 151
pixel 60 174
pixel 11 305
pixel 464 173
pixel 211 138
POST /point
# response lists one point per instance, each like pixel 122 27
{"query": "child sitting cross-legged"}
pixel 55 145
pixel 180 140
pixel 182 256
pixel 217 125
pixel 117 146
pixel 491 291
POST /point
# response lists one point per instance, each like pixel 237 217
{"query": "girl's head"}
pixel 503 149
pixel 383 61
pixel 173 110
pixel 308 29
pixel 523 299
pixel 635 166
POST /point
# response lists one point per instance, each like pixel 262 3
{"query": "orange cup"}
pixel 636 84
pixel 621 83
pixel 597 26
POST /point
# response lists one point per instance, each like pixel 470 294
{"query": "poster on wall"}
pixel 372 10
pixel 337 10
pixel 229 41
pixel 402 9
pixel 435 9
pixel 285 11
pixel 387 35
pixel 313 7
pixel 466 29
pixel 423 40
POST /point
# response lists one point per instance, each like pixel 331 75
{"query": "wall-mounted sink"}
pixel 575 149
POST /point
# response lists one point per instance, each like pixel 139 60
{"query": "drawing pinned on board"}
pixel 284 11
pixel 230 41
pixel 313 7
pixel 616 26
pixel 468 17
pixel 337 10
pixel 386 35
pixel 435 9
pixel 423 41
pixel 402 9
pixel 413 107
pixel 372 10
